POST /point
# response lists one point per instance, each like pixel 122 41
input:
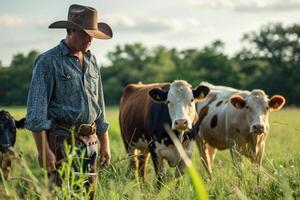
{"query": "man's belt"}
pixel 81 129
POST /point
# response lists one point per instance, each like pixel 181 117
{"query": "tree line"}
pixel 269 60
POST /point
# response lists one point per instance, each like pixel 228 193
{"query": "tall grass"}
pixel 280 173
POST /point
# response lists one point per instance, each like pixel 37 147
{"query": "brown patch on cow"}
pixel 214 121
pixel 219 103
pixel 203 112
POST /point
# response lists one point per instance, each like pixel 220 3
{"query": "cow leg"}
pixel 212 153
pixel 205 159
pixel 158 165
pixel 133 162
pixel 142 163
pixel 6 168
pixel 5 165
pixel 181 165
pixel 179 169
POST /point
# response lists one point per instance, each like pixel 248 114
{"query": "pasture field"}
pixel 280 174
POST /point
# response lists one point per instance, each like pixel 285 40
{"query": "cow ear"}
pixel 20 123
pixel 200 92
pixel 237 101
pixel 276 102
pixel 158 95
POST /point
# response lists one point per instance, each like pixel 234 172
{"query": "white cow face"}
pixel 181 99
pixel 256 107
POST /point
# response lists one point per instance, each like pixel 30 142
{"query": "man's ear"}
pixel 200 92
pixel 276 102
pixel 158 95
pixel 238 101
pixel 20 123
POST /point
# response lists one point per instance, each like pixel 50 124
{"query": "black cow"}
pixel 8 126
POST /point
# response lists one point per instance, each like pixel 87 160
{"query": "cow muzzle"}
pixel 258 129
pixel 181 124
pixel 4 147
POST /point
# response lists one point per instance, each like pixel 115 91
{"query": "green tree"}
pixel 273 53
pixel 210 64
pixel 127 64
pixel 15 79
pixel 159 65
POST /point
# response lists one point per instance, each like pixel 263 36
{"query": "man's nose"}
pixel 89 38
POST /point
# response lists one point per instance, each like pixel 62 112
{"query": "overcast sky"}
pixel 172 23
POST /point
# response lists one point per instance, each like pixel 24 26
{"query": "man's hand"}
pixel 104 149
pixel 46 157
pixel 48 162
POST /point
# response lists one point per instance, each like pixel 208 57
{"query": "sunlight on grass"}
pixel 280 173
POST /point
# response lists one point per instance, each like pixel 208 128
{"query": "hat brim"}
pixel 103 32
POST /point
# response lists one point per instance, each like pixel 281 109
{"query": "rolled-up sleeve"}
pixel 101 123
pixel 39 96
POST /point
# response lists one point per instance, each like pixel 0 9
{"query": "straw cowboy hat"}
pixel 84 18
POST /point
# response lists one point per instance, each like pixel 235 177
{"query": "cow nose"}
pixel 181 124
pixel 4 147
pixel 258 128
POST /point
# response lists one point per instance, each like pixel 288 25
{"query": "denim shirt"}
pixel 64 91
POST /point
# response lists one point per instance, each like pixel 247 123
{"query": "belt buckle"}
pixel 85 129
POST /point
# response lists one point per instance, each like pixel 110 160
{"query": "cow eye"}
pixel 167 102
pixel 248 108
pixel 192 100
pixel 267 108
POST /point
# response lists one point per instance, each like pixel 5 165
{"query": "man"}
pixel 66 95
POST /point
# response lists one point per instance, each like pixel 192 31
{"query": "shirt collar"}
pixel 66 51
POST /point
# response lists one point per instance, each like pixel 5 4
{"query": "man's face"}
pixel 80 40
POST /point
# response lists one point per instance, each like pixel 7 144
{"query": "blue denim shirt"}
pixel 62 90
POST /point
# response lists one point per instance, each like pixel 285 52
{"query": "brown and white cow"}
pixel 8 126
pixel 145 109
pixel 237 120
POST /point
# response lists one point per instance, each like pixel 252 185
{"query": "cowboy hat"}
pixel 84 18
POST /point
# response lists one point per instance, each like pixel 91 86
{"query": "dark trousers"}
pixel 58 135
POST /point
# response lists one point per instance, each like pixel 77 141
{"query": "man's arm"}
pixel 104 149
pixel 102 128
pixel 37 111
pixel 46 157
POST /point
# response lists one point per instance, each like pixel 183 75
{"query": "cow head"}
pixel 256 107
pixel 8 127
pixel 181 99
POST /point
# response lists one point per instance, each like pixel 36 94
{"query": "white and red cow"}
pixel 145 109
pixel 237 120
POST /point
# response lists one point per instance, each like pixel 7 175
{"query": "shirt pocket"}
pixel 93 81
pixel 68 84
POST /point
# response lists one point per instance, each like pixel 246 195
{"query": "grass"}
pixel 280 176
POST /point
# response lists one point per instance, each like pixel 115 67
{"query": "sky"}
pixel 180 24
